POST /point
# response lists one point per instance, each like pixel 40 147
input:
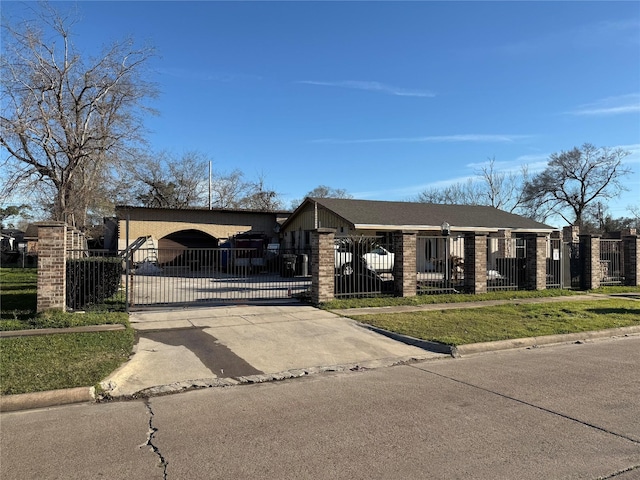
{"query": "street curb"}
pixel 472 348
pixel 52 331
pixel 202 383
pixel 50 398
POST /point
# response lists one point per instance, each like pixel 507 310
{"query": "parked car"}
pixel 379 259
pixel 343 260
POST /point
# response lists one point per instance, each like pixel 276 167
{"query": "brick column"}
pixel 536 262
pixel 52 278
pixel 631 248
pixel 475 262
pixel 323 264
pixel 404 266
pixel 590 256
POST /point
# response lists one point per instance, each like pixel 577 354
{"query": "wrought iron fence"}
pixel 554 262
pixel 506 263
pixel 611 262
pixel 161 276
pixel 440 264
pixel 94 280
pixel 363 266
pixel 573 266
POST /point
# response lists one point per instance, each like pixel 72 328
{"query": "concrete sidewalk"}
pixel 193 348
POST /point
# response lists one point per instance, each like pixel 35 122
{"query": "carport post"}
pixel 322 265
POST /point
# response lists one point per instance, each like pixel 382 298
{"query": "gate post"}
pixel 52 275
pixel 536 262
pixel 323 265
pixel 404 266
pixel 475 262
pixel 590 255
pixel 631 249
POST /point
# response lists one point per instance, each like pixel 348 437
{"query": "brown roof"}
pixel 374 213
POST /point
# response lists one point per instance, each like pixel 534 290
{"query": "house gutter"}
pixel 437 228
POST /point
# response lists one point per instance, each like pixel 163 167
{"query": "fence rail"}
pixel 611 262
pixel 440 264
pixel 161 276
pixel 506 263
pixel 554 263
pixel 363 267
pixel 94 278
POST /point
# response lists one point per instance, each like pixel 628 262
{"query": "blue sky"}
pixel 383 99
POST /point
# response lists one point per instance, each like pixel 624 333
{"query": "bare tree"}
pixel 503 190
pixel 227 190
pixel 165 181
pixel 574 180
pixel 261 198
pixel 489 186
pixel 459 193
pixel 67 118
pixel 323 191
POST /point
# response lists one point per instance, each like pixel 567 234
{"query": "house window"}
pixel 521 247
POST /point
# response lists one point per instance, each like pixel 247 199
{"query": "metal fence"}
pixel 611 262
pixel 440 264
pixel 94 280
pixel 506 263
pixel 554 263
pixel 161 276
pixel 363 266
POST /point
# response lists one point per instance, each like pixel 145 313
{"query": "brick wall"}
pixel 322 265
pixel 536 262
pixel 475 265
pixel 404 267
pixel 631 248
pixel 590 254
pixel 52 249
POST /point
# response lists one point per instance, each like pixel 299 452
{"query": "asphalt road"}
pixel 562 412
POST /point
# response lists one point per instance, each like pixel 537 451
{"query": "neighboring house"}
pixel 353 218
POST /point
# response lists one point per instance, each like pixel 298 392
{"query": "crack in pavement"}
pixel 620 472
pixel 538 407
pixel 149 443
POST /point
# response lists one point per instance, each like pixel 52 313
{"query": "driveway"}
pixel 179 349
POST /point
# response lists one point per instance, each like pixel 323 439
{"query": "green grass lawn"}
pixel 458 298
pixel 65 360
pixel 49 362
pixel 486 324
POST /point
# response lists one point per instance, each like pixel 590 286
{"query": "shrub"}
pixel 92 280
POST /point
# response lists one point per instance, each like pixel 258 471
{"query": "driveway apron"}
pixel 177 346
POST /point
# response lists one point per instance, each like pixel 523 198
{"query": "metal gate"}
pixel 198 276
pixel 573 267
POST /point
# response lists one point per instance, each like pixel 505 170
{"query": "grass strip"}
pixel 388 301
pixel 58 319
pixel 49 362
pixel 487 324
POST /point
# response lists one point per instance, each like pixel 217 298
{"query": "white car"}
pixel 379 259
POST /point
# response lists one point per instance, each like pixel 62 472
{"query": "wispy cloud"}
pixel 609 106
pixel 371 87
pixel 616 32
pixel 481 138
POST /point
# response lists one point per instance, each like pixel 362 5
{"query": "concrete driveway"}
pixel 187 348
